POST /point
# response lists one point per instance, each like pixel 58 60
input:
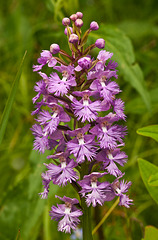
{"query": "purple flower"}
pixel 83 63
pixel 94 26
pixel 125 201
pixel 79 23
pixel 103 56
pixel 46 57
pixel 64 172
pixel 67 71
pixel 41 142
pixel 73 17
pixel 109 158
pixel 107 89
pixel 60 86
pixel 46 180
pixel 40 88
pixel 97 192
pixel 111 65
pixel 73 38
pixel 52 120
pixel 54 48
pixel 85 108
pixel 79 15
pixel 108 135
pixel 82 145
pixel 69 213
pixel 100 43
pixel 68 105
pixel 66 21
pixel 120 188
pixel 118 105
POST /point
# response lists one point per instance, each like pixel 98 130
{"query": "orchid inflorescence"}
pixel 80 90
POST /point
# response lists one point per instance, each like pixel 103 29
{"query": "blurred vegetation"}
pixel 130 29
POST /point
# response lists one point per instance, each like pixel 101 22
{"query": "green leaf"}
pixel 151 233
pixel 153 180
pixel 149 131
pixel 10 101
pixel 147 170
pixel 118 43
pixel 137 106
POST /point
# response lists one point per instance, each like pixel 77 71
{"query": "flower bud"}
pixel 79 15
pixel 73 38
pixel 84 62
pixel 73 17
pixel 79 23
pixel 65 31
pixel 100 43
pixel 54 48
pixel 66 21
pixel 94 26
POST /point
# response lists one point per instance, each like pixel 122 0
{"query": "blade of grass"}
pixel 105 216
pixel 10 101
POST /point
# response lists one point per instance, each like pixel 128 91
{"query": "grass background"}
pixel 132 29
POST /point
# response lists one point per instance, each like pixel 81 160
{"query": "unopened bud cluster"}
pixel 82 90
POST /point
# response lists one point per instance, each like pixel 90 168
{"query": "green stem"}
pixel 105 216
pixel 86 217
pixel 86 221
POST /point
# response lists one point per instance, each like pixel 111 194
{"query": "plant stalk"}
pixel 86 221
pixel 86 217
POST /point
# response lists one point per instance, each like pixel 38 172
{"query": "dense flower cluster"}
pixel 80 90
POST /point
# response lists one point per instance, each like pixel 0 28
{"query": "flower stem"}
pixel 105 216
pixel 86 217
pixel 86 221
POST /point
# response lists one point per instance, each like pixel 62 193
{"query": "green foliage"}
pixel 147 170
pixel 153 180
pixel 149 131
pixel 151 233
pixel 10 101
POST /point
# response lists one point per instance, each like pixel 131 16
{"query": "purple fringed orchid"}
pixel 62 173
pixel 95 191
pixel 46 58
pixel 85 109
pixel 78 114
pixel 60 86
pixel 82 146
pixel 120 188
pixel 68 212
